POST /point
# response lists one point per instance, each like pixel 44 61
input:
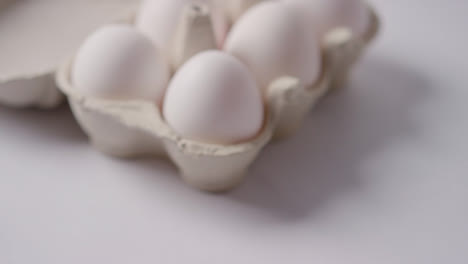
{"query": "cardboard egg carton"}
pixel 36 36
pixel 134 128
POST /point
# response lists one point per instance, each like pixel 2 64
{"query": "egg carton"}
pixel 133 128
pixel 32 47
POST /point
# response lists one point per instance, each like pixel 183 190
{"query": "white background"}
pixel 378 174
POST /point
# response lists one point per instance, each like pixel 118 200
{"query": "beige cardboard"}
pixel 136 128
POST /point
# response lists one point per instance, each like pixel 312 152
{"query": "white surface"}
pixel 378 174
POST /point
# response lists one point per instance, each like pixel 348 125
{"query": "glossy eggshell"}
pixel 213 98
pixel 274 42
pixel 118 62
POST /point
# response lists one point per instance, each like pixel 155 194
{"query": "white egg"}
pixel 213 98
pixel 326 15
pixel 118 62
pixel 159 19
pixel 273 42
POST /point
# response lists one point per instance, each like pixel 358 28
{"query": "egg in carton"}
pixel 136 128
pixel 35 38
